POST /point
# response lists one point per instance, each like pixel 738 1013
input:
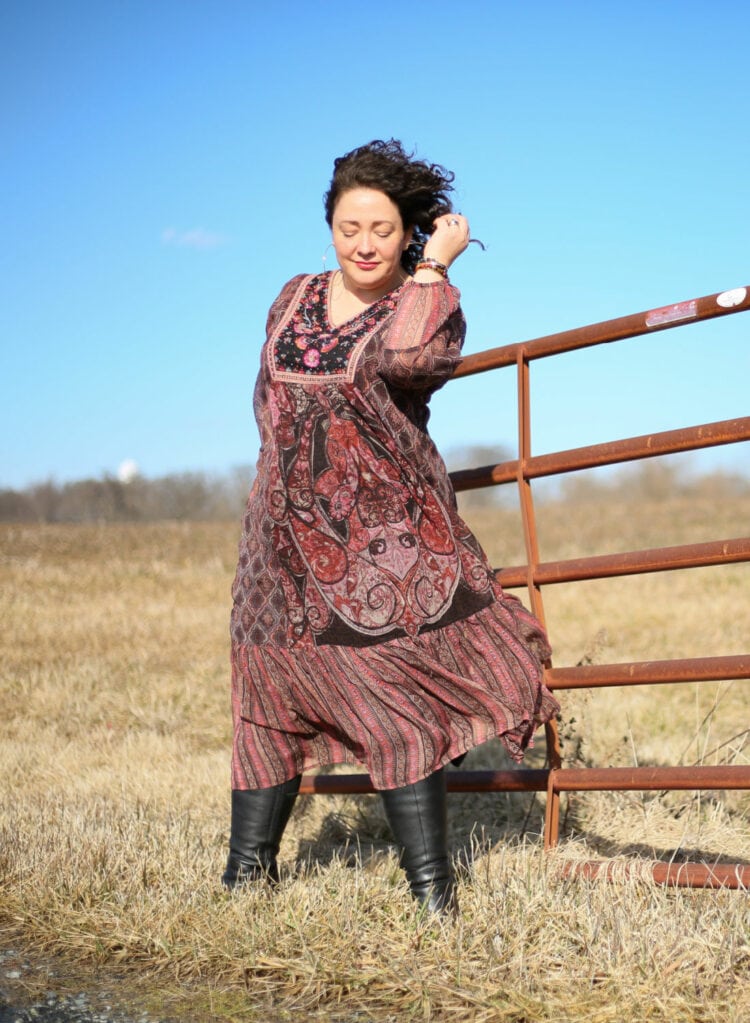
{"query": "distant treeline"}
pixel 197 496
pixel 191 496
pixel 654 479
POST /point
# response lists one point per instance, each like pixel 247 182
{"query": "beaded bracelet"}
pixel 432 264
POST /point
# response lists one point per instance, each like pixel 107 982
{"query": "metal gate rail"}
pixel 535 574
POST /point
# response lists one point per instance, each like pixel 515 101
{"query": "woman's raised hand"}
pixel 449 239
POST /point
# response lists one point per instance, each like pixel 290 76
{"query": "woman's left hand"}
pixel 449 239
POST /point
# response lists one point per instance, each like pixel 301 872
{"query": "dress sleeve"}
pixel 423 345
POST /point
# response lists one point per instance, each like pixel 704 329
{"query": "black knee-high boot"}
pixel 417 815
pixel 259 817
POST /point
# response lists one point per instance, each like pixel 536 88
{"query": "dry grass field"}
pixel 114 801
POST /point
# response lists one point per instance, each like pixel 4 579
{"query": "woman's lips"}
pixel 367 266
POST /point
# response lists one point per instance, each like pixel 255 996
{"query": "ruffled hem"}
pixel 402 708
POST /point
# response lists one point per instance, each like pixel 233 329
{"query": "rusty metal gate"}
pixel 536 574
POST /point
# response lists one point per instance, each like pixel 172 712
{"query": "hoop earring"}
pixel 325 254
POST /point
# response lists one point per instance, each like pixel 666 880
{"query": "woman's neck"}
pixel 366 296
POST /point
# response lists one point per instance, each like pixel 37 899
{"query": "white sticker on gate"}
pixel 729 299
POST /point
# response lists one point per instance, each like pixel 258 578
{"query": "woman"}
pixel 367 625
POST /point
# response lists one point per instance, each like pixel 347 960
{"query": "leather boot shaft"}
pixel 418 818
pixel 259 817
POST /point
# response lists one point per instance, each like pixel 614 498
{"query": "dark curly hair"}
pixel 419 189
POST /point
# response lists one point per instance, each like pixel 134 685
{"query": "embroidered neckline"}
pixel 307 346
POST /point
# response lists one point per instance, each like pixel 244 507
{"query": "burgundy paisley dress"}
pixel 366 624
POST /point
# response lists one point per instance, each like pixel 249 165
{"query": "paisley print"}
pixel 354 521
pixel 377 545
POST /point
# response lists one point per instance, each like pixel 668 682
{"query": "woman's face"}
pixel 369 238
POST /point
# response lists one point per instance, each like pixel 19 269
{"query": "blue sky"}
pixel 162 175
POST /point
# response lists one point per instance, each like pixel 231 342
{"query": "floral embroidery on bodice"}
pixel 306 346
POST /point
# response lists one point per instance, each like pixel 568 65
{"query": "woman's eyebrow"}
pixel 375 223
